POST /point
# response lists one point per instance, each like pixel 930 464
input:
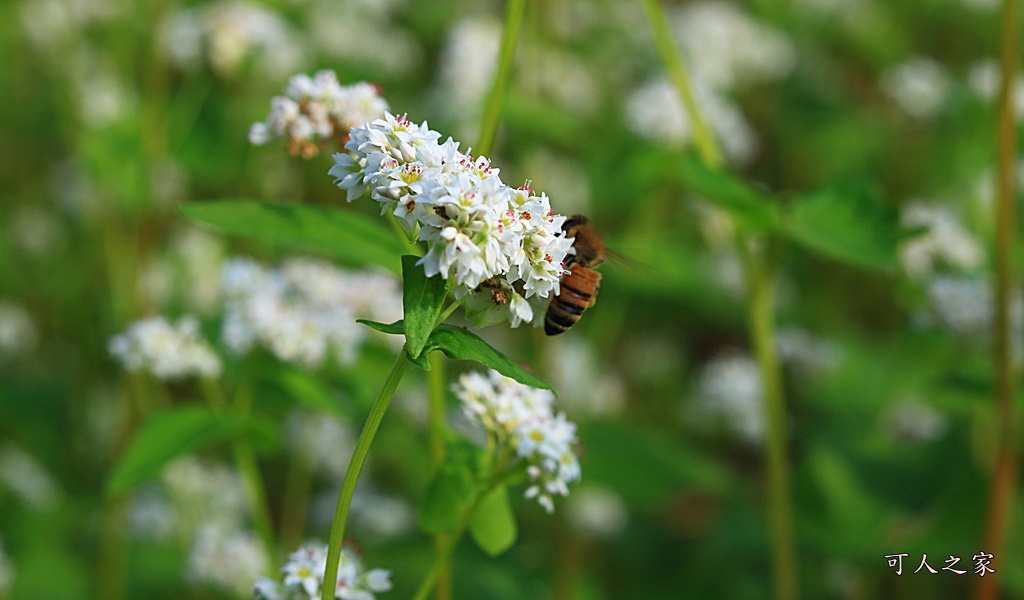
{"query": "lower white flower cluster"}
pixel 520 419
pixel 317 110
pixel 503 246
pixel 165 350
pixel 304 576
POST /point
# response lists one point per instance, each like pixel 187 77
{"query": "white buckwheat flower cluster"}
pixel 316 111
pixel 945 241
pixel 305 310
pixel 503 246
pixel 304 575
pixel 520 418
pixel 166 351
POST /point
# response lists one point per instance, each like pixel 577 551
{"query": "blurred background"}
pixel 116 112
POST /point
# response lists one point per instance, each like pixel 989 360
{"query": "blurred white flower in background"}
pixel 919 85
pixel 729 392
pixel 588 389
pixel 167 351
pixel 306 310
pixel 726 48
pixel 962 305
pixel 380 517
pixel 51 23
pixel 466 70
pixel 943 243
pixel 520 419
pixel 27 479
pixel 597 511
pixel 350 31
pixel 984 77
pixel 202 493
pixel 910 420
pixel 227 560
pixel 190 268
pixel 304 577
pixel 18 333
pixel 34 230
pixel 654 111
pixel 322 441
pixel 810 355
pixel 7 571
pixel 560 176
pixel 228 32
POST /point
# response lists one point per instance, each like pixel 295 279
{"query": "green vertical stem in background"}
pixel 758 272
pixel 1001 493
pixel 355 467
pixel 435 439
pixel 492 110
pixel 245 462
pixel 702 134
pixel 295 505
pixel 761 322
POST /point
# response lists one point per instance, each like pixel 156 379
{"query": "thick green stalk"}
pixel 435 439
pixel 1003 478
pixel 758 272
pixel 355 467
pixel 492 110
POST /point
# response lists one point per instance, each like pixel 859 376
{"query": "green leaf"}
pixel 846 221
pixel 751 207
pixel 342 234
pixel 645 466
pixel 448 495
pixel 422 299
pixel 459 344
pixel 167 435
pixel 494 526
pixel 305 388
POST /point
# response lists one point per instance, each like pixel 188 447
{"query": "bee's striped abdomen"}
pixel 577 293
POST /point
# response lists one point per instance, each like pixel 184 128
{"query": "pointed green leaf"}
pixel 846 221
pixel 494 526
pixel 460 344
pixel 422 298
pixel 167 435
pixel 753 208
pixel 342 234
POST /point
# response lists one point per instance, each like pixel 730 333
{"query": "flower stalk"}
pixel 1003 477
pixel 355 467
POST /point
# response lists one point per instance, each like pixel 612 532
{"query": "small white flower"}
pixel 729 390
pixel 166 351
pixel 18 333
pixel 316 111
pixel 945 241
pixel 919 86
pixel 304 577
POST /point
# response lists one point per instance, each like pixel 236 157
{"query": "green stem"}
pixel 435 439
pixel 245 462
pixel 509 40
pixel 759 275
pixel 702 134
pixel 761 314
pixel 355 467
pixel 441 318
pixel 443 556
pixel 1001 494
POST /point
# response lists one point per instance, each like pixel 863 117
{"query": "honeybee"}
pixel 580 283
